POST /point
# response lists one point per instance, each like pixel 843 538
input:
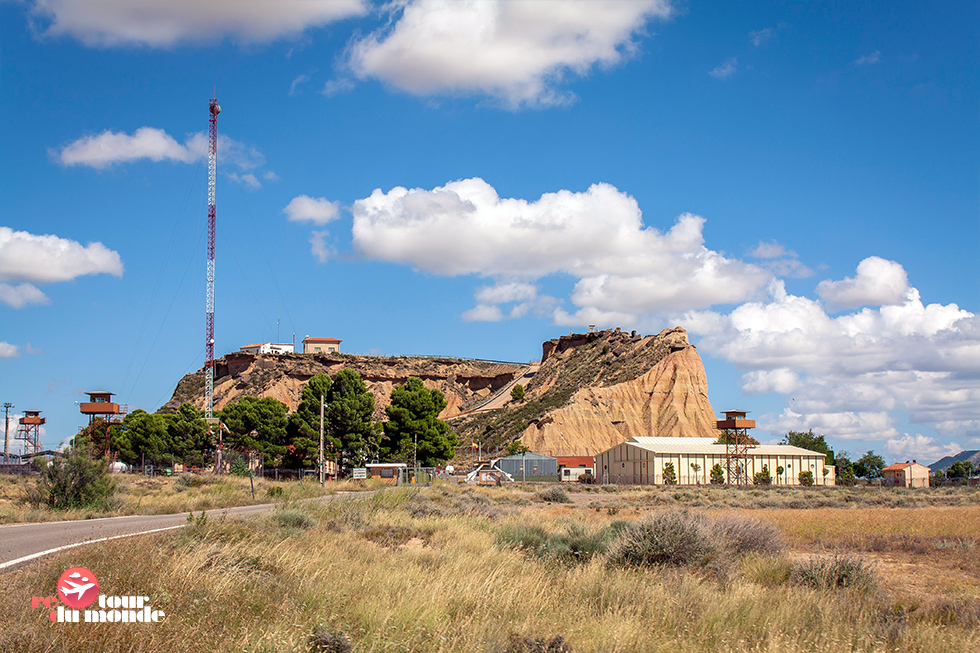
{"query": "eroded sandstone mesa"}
pixel 669 399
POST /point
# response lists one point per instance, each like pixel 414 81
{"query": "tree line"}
pixel 291 440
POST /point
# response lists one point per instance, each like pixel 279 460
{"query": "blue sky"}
pixel 794 183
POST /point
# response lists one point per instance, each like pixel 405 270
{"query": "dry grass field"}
pixel 139 495
pixel 503 570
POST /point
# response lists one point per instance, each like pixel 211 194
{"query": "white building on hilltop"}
pixel 268 348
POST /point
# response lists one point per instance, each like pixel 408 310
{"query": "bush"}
pixel 275 492
pixel 517 392
pixel 806 478
pixel 293 518
pixel 75 481
pixel 667 538
pixel 670 476
pixel 763 477
pixel 240 468
pixel 717 475
pixel 554 495
pixel 744 535
pixel 574 544
pixel 835 573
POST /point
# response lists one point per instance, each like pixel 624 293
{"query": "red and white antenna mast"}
pixel 214 110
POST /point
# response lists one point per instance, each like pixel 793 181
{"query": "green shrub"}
pixel 292 518
pixel 275 492
pixel 554 495
pixel 835 573
pixel 574 544
pixel 517 392
pixel 670 476
pixel 240 468
pixel 667 538
pixel 717 475
pixel 763 477
pixel 806 478
pixel 75 481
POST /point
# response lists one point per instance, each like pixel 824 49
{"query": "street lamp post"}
pixel 6 431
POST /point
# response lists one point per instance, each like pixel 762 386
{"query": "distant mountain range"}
pixel 944 463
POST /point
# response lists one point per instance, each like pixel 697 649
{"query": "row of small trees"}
pixel 717 475
pixel 412 433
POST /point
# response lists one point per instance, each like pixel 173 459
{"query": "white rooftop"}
pixel 709 445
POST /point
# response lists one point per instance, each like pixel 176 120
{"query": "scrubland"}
pixel 140 495
pixel 515 570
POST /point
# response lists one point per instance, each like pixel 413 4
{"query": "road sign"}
pixel 360 473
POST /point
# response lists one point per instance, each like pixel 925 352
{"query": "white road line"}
pixel 11 563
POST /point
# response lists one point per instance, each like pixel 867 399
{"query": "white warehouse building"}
pixel 641 461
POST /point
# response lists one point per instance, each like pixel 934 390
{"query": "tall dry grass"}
pixel 165 495
pixel 391 574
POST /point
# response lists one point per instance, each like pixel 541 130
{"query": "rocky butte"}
pixel 590 392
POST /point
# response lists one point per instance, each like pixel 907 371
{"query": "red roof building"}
pixel 907 474
pixel 321 345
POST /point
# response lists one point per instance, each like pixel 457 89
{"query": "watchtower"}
pixel 29 431
pixel 100 404
pixel 737 444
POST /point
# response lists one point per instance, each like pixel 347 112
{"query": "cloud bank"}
pixel 164 23
pixel 849 361
pixel 846 375
pixel 597 236
pixel 33 259
pixel 517 51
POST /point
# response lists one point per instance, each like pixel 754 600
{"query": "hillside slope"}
pixel 282 377
pixel 598 389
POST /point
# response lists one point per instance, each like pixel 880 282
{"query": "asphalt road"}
pixel 20 543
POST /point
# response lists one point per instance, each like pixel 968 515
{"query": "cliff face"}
pixel 669 400
pixel 596 390
pixel 283 377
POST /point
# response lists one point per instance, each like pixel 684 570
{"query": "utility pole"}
pixel 321 441
pixel 6 431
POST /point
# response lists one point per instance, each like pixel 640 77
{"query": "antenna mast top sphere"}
pixel 215 108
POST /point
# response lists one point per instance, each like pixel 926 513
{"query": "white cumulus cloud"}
pixel 920 448
pixel 21 295
pixel 623 267
pixel 318 210
pixel 520 298
pixel 850 373
pixel 163 23
pixel 517 51
pixel 108 148
pixel 877 282
pixel 8 350
pixel 781 380
pixel 111 148
pixel 47 258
